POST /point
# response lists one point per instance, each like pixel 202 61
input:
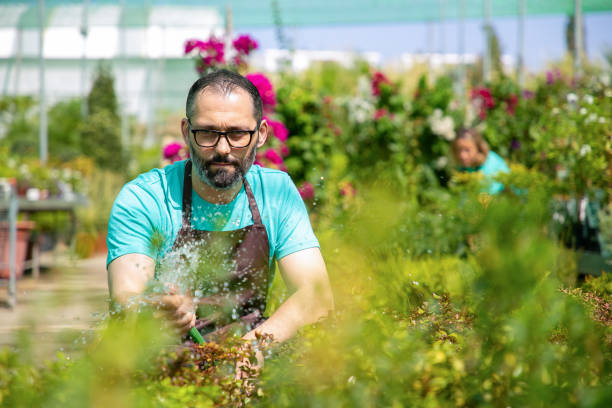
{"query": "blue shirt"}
pixel 146 215
pixel 493 164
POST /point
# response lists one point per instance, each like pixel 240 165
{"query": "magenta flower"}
pixel 527 94
pixel 266 91
pixel 192 44
pixel 172 149
pixel 273 156
pixel 279 129
pixel 244 44
pixel 306 190
pixel 284 150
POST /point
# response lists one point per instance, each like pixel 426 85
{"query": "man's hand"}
pixel 179 309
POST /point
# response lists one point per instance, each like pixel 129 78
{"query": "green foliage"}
pixel 101 140
pixel 65 121
pixel 102 95
pixel 18 125
pixel 100 133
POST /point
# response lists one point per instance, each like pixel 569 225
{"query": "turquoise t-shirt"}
pixel 150 208
pixel 493 164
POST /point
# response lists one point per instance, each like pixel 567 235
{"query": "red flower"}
pixel 266 91
pixel 380 113
pixel 511 104
pixel 484 100
pixel 377 80
pixel 306 190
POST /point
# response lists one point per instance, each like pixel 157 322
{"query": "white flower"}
pixel 583 111
pixel 572 97
pixel 441 162
pixel 591 118
pixel 605 79
pixel 588 99
pixel 584 150
pixel 602 119
pixel 360 110
pixel 608 93
pixel 555 111
pixel 364 88
pixel 443 126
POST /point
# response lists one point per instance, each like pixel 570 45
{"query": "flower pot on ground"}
pixel 23 235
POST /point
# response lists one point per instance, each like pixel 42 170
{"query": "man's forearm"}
pixel 305 306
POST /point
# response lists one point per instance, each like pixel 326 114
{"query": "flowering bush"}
pixel 212 53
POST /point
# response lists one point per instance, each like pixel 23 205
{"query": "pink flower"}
pixel 273 156
pixel 175 151
pixel 279 129
pixel 347 190
pixel 284 150
pixel 266 91
pixel 377 80
pixel 244 44
pixel 172 149
pixel 192 44
pixel 306 190
pixel 527 94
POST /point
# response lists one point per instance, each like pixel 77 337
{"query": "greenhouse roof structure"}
pixel 250 13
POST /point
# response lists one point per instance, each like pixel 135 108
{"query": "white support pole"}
pixel 486 61
pixel 123 95
pixel 84 32
pixel 430 43
pixel 521 45
pixel 442 28
pixel 578 51
pixel 461 47
pixel 42 130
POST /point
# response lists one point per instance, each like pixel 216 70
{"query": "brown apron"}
pixel 239 299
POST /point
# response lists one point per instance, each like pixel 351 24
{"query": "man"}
pixel 218 201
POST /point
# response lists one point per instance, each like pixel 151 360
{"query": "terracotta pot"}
pixel 23 235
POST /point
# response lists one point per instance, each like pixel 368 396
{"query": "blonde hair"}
pixel 472 134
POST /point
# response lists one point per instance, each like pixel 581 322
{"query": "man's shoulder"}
pixel 159 177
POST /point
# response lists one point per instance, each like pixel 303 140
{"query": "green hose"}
pixel 196 336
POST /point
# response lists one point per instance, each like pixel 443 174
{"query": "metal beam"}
pixel 42 129
pixel 521 45
pixel 578 51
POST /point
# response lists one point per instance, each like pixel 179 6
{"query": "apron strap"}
pixel 252 203
pixel 187 196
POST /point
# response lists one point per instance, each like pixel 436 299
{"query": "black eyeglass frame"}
pixel 220 133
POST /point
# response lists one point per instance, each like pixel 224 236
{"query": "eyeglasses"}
pixel 237 139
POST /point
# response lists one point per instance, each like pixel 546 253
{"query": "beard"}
pixel 222 178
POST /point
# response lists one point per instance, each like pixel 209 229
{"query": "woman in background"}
pixel 473 154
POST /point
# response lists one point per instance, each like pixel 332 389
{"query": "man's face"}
pixel 222 166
